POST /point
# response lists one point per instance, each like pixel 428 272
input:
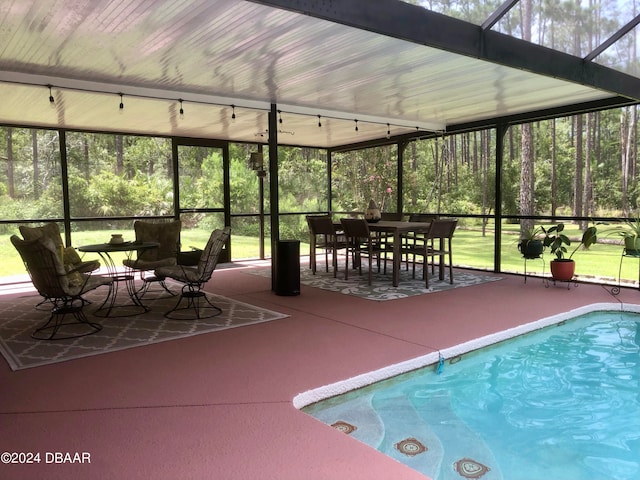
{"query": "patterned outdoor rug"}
pixel 19 318
pixel 381 288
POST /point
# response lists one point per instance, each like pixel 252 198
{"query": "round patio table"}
pixel 134 305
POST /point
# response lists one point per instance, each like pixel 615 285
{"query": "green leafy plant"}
pixel 533 233
pixel 557 242
pixel 530 244
pixel 630 228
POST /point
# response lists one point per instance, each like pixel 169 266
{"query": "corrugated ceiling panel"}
pixel 241 51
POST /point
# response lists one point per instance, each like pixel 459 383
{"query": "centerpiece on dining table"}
pixel 372 213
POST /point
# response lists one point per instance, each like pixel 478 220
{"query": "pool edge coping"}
pixel 318 394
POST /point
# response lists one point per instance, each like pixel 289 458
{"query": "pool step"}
pixel 357 413
pixel 466 455
pixel 407 437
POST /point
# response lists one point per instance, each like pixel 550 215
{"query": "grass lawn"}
pixel 470 248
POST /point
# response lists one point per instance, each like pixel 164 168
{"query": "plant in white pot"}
pixel 630 232
pixel 563 267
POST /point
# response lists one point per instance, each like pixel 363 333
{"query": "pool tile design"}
pixel 410 447
pixel 344 427
pixel 469 468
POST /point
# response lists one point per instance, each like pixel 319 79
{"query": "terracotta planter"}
pixel 563 270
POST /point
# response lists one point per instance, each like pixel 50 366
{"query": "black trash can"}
pixel 288 267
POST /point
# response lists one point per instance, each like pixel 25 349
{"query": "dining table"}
pixel 396 229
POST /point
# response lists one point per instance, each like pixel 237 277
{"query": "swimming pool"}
pixel 562 402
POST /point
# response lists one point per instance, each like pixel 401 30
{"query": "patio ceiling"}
pixel 397 69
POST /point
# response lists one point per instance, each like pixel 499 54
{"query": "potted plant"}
pixel 531 245
pixel 630 232
pixel 563 267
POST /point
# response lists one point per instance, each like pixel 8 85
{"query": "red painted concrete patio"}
pixel 219 405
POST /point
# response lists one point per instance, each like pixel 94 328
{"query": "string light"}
pixel 52 101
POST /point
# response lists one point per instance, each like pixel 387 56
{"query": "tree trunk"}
pixel 119 155
pixel 526 177
pixel 526 168
pixel 554 157
pixel 578 209
pixel 35 162
pixel 10 176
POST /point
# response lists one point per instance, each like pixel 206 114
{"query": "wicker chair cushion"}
pixel 70 257
pixel 167 234
pixel 69 278
pixel 49 230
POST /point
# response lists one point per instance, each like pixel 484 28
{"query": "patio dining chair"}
pixel 323 236
pixel 193 302
pixel 63 288
pixel 414 240
pixel 442 230
pixel 361 241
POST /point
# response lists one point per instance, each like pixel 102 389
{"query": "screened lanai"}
pixel 334 76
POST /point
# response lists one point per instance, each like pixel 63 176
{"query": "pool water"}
pixel 560 403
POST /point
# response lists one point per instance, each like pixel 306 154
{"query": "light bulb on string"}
pixel 319 121
pixel 181 109
pixel 356 125
pixel 388 131
pixel 280 116
pixel 52 101
pixel 233 113
pixel 121 102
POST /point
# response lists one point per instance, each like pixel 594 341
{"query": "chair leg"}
pixel 74 307
pixel 146 284
pixel 197 302
pixel 346 264
pixel 326 257
pixel 425 271
pixel 312 257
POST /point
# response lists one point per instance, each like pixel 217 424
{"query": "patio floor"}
pixel 220 405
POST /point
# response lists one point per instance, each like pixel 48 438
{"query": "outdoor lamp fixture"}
pixel 256 163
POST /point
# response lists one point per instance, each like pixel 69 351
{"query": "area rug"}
pixel 381 288
pixel 19 318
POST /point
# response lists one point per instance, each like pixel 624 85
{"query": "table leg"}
pixel 109 306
